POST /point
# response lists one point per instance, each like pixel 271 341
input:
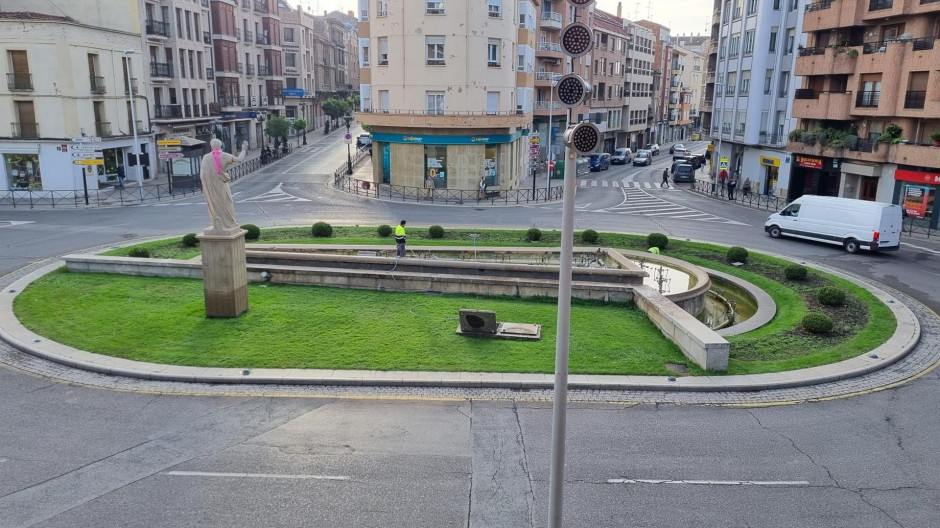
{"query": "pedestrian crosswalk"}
pixel 622 184
pixel 639 202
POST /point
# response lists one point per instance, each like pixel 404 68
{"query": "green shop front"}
pixel 451 161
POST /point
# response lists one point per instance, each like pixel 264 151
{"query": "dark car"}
pixel 599 162
pixel 643 157
pixel 676 147
pixel 654 148
pixel 695 161
pixel 683 173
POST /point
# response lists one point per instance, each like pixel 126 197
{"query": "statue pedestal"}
pixel 224 273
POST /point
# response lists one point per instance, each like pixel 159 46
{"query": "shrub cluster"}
pixel 322 229
pixel 190 240
pixel 817 323
pixel 737 254
pixel 589 236
pixel 657 240
pixel 139 252
pixel 534 234
pixel 795 272
pixel 384 230
pixel 253 231
pixel 831 296
pixel 436 231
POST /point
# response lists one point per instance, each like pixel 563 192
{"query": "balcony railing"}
pixel 868 99
pixel 210 73
pixel 925 43
pixel 547 76
pixel 215 109
pixel 155 27
pixel 806 52
pixel 876 47
pixel 206 37
pixel 161 69
pixel 547 105
pixel 187 111
pixel 551 19
pixel 103 129
pixel 133 86
pixel 97 84
pixel 864 145
pixel 914 99
pixel 550 46
pixel 261 39
pixel 825 4
pixel 804 93
pixel 249 35
pixel 264 71
pixel 232 101
pixel 204 109
pixel 772 139
pixel 877 5
pixel 260 7
pixel 250 70
pixel 20 82
pixel 167 111
pixel 726 128
pixel 25 130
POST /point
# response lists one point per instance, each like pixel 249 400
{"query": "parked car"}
pixel 364 140
pixel 852 223
pixel 643 157
pixel 654 149
pixel 695 161
pixel 599 162
pixel 677 146
pixel 683 172
pixel 621 156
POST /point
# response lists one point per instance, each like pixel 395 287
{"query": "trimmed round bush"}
pixel 831 296
pixel 589 236
pixel 436 231
pixel 736 254
pixel 139 252
pixel 322 230
pixel 657 240
pixel 384 230
pixel 190 240
pixel 795 272
pixel 253 231
pixel 534 234
pixel 817 323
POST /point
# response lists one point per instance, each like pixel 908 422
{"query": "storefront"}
pixel 22 171
pixel 916 192
pixel 814 175
pixel 770 175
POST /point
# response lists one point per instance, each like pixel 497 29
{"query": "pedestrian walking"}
pixel 665 178
pixel 483 187
pixel 746 187
pixel 400 240
pixel 429 187
pixel 732 183
pixel 121 175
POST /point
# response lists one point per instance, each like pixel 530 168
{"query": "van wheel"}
pixel 774 232
pixel 851 245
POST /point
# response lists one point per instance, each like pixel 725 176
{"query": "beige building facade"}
pixel 447 88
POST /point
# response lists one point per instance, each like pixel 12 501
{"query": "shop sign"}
pixel 809 163
pixel 770 162
pixel 917 176
pixel 916 200
pixel 448 140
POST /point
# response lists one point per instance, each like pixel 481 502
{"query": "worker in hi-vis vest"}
pixel 400 240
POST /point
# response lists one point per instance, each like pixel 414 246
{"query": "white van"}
pixel 852 223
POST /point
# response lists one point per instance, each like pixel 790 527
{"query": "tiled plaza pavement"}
pixel 922 358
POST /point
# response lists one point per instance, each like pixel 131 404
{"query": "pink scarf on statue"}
pixel 218 162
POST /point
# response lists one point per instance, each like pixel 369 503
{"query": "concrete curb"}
pixel 905 338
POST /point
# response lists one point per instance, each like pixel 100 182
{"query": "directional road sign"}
pixel 88 139
pixel 84 148
pixel 88 162
pixel 170 155
pixel 170 149
pixel 88 155
pixel 169 142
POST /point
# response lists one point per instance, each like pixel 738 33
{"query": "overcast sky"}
pixel 683 17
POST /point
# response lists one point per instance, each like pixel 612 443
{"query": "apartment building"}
pixel 447 88
pixel 177 43
pixel 679 102
pixel 754 90
pixel 698 51
pixel 248 67
pixel 638 88
pixel 662 78
pixel 711 68
pixel 66 71
pixel 608 71
pixel 869 104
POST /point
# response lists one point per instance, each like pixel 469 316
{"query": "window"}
pixel 745 82
pixel 749 42
pixel 491 165
pixel 435 103
pixel 737 9
pixel 435 163
pixel 751 7
pixel 23 171
pixel 363 53
pixel 435 51
pixel 363 10
pixel 784 84
pixel 776 5
pixel 383 51
pixel 383 101
pixel 494 8
pixel 739 124
pixel 434 7
pixel 492 103
pixel 492 53
pixel 288 34
pixel 768 81
pixel 773 39
pixel 794 5
pixel 735 44
pixel 791 37
pixel 381 8
pixel 732 83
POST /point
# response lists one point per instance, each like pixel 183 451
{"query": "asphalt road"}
pixel 72 455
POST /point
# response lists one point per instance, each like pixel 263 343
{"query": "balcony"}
pixel 246 4
pixel 917 155
pixel 210 74
pixel 103 129
pixel 97 84
pixel 215 109
pixel 825 4
pixel 264 71
pixel 250 70
pixel 232 102
pixel 811 104
pixel 25 130
pixel 444 119
pixel 206 38
pixel 547 106
pixel 161 69
pixel 167 111
pixel 551 47
pixel 261 40
pixel 20 82
pixel 771 139
pixel 133 86
pixel 830 15
pixel 864 150
pixel 868 99
pixel 914 99
pixel 877 5
pixel 550 20
pixel 158 29
pixel 260 7
pixel 187 111
pixel 249 36
pixel 841 60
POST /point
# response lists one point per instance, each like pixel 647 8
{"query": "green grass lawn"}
pixel 163 320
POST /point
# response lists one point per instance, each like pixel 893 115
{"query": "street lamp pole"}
pixel 303 108
pixel 551 117
pixel 130 97
pixel 349 170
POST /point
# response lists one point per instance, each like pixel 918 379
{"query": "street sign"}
pixel 89 155
pixel 169 142
pixel 164 148
pixel 88 139
pixel 84 148
pixel 723 163
pixel 170 155
pixel 96 161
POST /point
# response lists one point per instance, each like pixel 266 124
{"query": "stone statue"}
pixel 215 187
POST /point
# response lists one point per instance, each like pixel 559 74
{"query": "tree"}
pixel 299 125
pixel 335 108
pixel 277 127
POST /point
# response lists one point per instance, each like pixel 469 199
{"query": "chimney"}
pixel 619 9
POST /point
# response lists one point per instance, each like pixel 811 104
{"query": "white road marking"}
pixel 254 475
pixel 920 248
pixel 277 194
pixel 712 482
pixel 9 223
